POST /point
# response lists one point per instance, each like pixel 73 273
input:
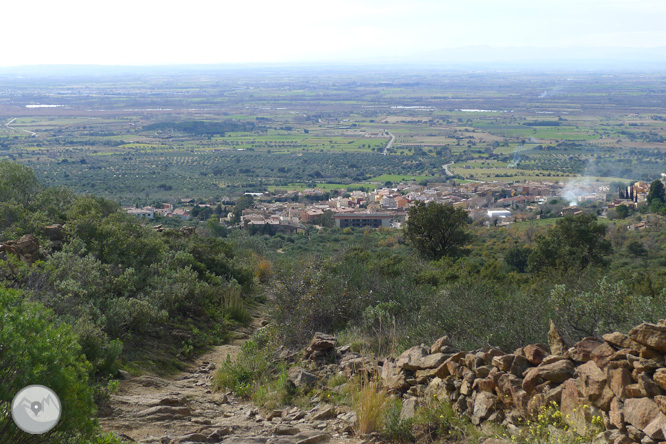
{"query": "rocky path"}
pixel 184 409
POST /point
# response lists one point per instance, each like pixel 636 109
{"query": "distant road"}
pixel 18 129
pixel 446 169
pixel 390 143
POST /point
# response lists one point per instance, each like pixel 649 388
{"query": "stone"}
pixel 394 380
pixel 620 340
pixel 639 412
pixel 431 361
pixel 535 353
pixel 624 439
pixel 503 362
pixel 54 232
pixel 409 406
pixel 602 355
pixel 325 412
pixel 582 350
pixel 648 385
pixel 557 342
pixel 444 341
pixel 657 427
pixel 557 372
pixel 519 365
pixel 616 413
pixel 314 439
pixel 282 430
pixel 619 377
pixel 164 412
pixel 660 377
pixel 593 380
pixel 301 378
pixel 571 397
pixel 484 406
pixel 650 335
pixel 410 358
pixel 603 401
pixel 322 342
pixel 26 249
pixel 661 403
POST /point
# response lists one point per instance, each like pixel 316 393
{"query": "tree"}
pixel 656 191
pixel 622 211
pixel 574 243
pixel 437 230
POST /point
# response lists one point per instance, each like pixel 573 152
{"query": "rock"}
pixel 582 350
pixel 26 248
pixel 656 429
pixel 326 412
pixel 394 380
pixel 661 403
pixel 648 386
pixel 408 408
pixel 556 372
pixel 194 437
pixel 431 361
pixel 314 439
pixel 503 362
pixel 603 354
pixel 593 380
pixel 322 342
pixel 640 412
pixel 54 232
pixel 484 405
pixel 620 340
pixel 660 377
pixel 535 353
pixel 301 378
pixel 616 413
pixel 619 377
pixel 624 439
pixel 519 365
pixel 165 411
pixel 650 335
pixel 444 341
pixel 410 358
pixel 352 365
pixel 556 340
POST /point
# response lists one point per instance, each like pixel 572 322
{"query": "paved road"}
pixel 19 129
pixel 390 143
pixel 446 169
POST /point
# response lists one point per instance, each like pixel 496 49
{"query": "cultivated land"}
pixel 213 134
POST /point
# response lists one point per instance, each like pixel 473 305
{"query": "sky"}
pixel 151 32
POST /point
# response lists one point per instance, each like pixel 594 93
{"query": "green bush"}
pixel 34 349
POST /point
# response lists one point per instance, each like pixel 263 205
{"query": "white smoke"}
pixel 580 186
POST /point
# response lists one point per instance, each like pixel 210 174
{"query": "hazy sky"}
pixel 222 31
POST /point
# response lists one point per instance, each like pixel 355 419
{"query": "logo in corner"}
pixel 36 409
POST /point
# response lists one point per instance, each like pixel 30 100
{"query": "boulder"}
pixel 650 335
pixel 621 340
pixel 640 412
pixel 519 365
pixel 301 378
pixel 431 361
pixel 409 406
pixel 582 350
pixel 322 342
pixel 616 413
pixel 619 377
pixel 660 377
pixel 503 362
pixel 556 372
pixel 593 380
pixel 26 248
pixel 557 342
pixel 603 354
pixel 410 358
pixel 394 379
pixel 535 353
pixel 444 341
pixel 54 232
pixel 484 406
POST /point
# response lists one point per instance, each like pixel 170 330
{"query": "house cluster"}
pixel 496 203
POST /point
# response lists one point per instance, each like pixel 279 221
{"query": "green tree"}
pixel 17 183
pixel 656 192
pixel 574 243
pixel 437 230
pixel 622 211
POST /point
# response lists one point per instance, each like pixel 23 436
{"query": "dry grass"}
pixel 370 402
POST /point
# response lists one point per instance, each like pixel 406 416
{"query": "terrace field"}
pixel 216 134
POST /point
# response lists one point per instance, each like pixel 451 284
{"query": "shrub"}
pixel 34 350
pixel 252 364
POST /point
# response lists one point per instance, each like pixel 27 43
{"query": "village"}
pixel 492 203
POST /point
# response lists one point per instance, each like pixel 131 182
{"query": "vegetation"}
pixel 437 230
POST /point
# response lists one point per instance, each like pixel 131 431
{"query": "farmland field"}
pixel 217 133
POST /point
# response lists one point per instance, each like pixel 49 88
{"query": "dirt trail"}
pixel 183 408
